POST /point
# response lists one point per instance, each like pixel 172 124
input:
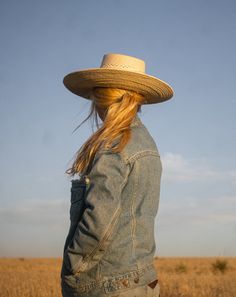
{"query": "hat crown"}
pixel 123 62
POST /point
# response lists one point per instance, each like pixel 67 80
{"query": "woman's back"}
pixel 132 240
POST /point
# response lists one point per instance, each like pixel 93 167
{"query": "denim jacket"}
pixel 110 245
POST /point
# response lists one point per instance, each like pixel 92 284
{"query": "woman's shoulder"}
pixel 141 141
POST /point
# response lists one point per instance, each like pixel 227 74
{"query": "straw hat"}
pixel 119 71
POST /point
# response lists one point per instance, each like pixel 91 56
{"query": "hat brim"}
pixel 82 83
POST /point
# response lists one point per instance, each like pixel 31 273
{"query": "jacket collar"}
pixel 136 121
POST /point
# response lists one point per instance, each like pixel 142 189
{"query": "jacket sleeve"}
pixel 103 206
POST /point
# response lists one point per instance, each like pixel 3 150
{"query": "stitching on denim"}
pixel 122 187
pixel 133 221
pixel 85 261
pixel 142 154
pixel 84 288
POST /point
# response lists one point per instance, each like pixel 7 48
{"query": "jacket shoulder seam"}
pixel 141 154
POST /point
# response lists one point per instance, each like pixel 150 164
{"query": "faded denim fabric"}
pixel 110 246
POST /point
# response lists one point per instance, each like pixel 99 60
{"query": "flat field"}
pixel 178 277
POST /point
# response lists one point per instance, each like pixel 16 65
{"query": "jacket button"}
pixel 125 282
pixel 136 280
pixel 87 180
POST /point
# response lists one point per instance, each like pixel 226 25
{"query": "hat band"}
pixel 122 67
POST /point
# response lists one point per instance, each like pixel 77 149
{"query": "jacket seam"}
pixel 140 154
pixel 139 272
pixel 86 259
pixel 133 221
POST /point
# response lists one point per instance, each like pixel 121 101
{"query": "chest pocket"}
pixel 77 205
pixel 78 191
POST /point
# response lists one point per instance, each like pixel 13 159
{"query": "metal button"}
pixel 87 180
pixel 125 282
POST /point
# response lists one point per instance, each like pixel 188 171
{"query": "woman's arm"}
pixel 103 206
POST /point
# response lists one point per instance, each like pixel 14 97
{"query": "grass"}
pixel 220 266
pixel 178 277
pixel 195 277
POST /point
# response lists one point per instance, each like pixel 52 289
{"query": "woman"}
pixel 110 246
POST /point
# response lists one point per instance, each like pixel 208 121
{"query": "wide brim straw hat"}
pixel 119 71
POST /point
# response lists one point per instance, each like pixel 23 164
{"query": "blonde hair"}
pixel 119 107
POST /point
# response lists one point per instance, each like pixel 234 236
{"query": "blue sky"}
pixel 190 44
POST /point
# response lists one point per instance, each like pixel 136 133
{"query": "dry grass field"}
pixel 182 277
